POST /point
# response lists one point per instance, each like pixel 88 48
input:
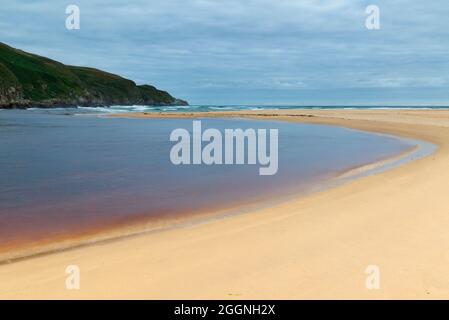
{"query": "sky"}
pixel 230 52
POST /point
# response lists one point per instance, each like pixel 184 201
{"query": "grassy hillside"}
pixel 30 80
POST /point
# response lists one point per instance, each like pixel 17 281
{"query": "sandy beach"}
pixel 317 246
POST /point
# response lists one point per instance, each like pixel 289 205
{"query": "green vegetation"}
pixel 30 80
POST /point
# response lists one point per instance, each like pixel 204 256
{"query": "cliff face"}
pixel 30 80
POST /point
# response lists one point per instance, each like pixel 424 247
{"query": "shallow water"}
pixel 61 174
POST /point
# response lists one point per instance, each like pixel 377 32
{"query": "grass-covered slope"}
pixel 30 80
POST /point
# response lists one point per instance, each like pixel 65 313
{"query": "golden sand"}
pixel 317 246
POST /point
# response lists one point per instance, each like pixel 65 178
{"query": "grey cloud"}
pixel 253 51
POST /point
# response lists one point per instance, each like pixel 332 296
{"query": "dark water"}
pixel 61 174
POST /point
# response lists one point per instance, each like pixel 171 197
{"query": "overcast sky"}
pixel 305 52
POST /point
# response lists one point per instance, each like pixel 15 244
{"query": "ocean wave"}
pixel 223 108
pixel 115 109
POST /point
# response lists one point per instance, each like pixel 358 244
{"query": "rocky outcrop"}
pixel 29 80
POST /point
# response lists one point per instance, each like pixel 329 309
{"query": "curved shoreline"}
pixel 148 225
pixel 313 247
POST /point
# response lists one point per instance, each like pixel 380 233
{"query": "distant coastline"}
pixel 28 80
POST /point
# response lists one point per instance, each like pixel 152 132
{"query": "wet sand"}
pixel 313 247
